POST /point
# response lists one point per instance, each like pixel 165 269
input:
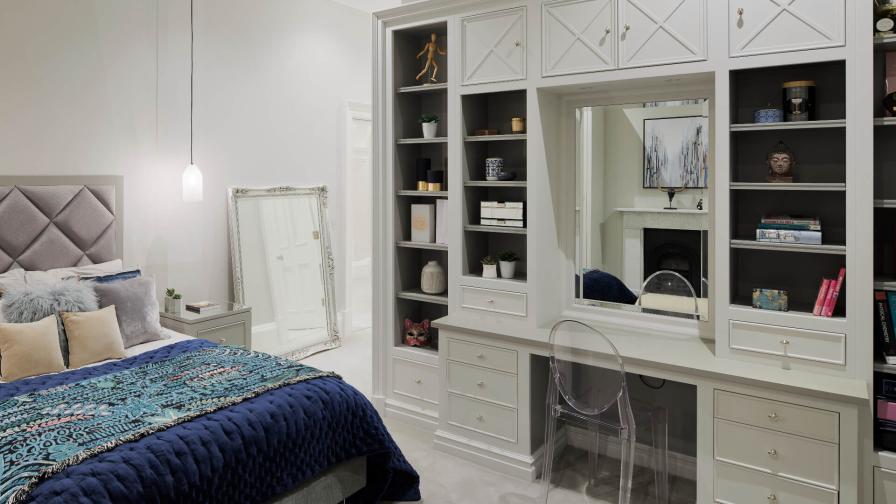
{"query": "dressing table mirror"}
pixel 642 225
pixel 283 268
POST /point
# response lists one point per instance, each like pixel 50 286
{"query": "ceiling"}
pixel 370 5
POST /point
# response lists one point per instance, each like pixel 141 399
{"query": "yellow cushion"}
pixel 92 336
pixel 30 349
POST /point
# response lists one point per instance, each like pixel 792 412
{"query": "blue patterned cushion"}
pixel 117 277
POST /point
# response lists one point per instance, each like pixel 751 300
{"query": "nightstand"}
pixel 230 324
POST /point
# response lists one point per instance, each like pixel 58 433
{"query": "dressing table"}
pixel 772 405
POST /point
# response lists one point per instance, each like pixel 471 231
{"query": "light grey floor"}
pixel 353 360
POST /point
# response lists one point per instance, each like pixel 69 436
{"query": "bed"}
pixel 281 433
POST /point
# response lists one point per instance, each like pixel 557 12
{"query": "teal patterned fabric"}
pixel 44 432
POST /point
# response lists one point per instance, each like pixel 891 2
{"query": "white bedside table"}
pixel 230 324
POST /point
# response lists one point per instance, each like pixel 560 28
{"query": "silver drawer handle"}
pixel 480 356
pixel 480 418
pixel 480 384
pixel 628 27
pixel 740 11
pixel 607 30
pixel 773 453
pixel 772 416
pixel 517 43
pixel 418 381
pixel 490 301
pixel 785 341
pixel 772 498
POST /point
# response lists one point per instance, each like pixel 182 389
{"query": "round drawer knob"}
pixel 628 27
pixel 490 301
pixel 517 43
pixel 480 356
pixel 418 381
pixel 740 11
pixel 785 341
pixel 480 418
pixel 773 453
pixel 772 498
pixel 772 416
pixel 607 30
pixel 480 384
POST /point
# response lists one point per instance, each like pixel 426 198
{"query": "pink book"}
pixel 831 301
pixel 822 296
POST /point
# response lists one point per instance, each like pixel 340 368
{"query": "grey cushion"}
pixel 34 302
pixel 136 307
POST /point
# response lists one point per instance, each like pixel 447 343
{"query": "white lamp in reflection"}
pixel 192 184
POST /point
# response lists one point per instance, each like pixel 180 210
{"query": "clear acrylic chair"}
pixel 667 292
pixel 588 389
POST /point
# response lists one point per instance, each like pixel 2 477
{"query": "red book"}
pixel 822 296
pixel 831 301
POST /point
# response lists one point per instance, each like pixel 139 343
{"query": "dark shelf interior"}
pixel 410 41
pixel 820 154
pixel 417 311
pixel 750 206
pixel 493 111
pixel 478 245
pixel 410 263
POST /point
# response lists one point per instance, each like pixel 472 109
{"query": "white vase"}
pixel 430 129
pixel 432 278
pixel 508 268
pixel 489 271
pixel 173 305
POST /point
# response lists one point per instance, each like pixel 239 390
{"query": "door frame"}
pixel 353 111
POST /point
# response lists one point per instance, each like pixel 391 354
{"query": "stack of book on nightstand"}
pixel 789 229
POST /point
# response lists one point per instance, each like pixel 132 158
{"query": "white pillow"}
pixel 11 279
pixel 106 268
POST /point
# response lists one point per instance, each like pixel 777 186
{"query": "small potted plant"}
pixel 430 124
pixel 173 301
pixel 489 267
pixel 507 261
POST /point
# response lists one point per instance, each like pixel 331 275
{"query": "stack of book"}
pixel 202 307
pixel 789 229
pixel 828 294
pixel 884 314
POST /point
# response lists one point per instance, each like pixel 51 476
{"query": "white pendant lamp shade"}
pixel 192 184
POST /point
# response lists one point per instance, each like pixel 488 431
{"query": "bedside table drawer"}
pixel 232 334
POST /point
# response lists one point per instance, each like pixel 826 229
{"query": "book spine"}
pixel 891 301
pixel 822 295
pixel 883 327
pixel 794 227
pixel 788 236
pixel 789 220
pixel 830 304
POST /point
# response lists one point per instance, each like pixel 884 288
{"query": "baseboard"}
pixel 417 417
pixel 502 461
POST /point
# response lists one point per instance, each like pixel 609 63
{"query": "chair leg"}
pixel 627 461
pixel 593 458
pixel 659 425
pixel 550 431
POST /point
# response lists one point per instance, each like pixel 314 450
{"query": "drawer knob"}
pixel 480 356
pixel 490 301
pixel 607 30
pixel 480 418
pixel 785 341
pixel 517 43
pixel 418 381
pixel 772 498
pixel 773 453
pixel 772 416
pixel 740 11
pixel 480 384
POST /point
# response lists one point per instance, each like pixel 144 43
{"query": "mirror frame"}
pixel 328 276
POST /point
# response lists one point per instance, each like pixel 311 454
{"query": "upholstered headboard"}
pixel 59 222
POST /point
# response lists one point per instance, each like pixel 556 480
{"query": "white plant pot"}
pixel 430 129
pixel 489 271
pixel 508 268
pixel 173 305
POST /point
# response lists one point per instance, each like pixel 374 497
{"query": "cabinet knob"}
pixel 772 416
pixel 480 384
pixel 490 301
pixel 517 43
pixel 480 356
pixel 772 498
pixel 773 453
pixel 418 381
pixel 740 11
pixel 480 418
pixel 628 27
pixel 607 30
pixel 785 341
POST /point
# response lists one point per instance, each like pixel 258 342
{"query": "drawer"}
pixel 884 486
pixel 780 416
pixel 232 334
pixel 510 303
pixel 482 417
pixel 482 355
pixel 735 485
pixel 817 346
pixel 798 458
pixel 416 380
pixel 482 383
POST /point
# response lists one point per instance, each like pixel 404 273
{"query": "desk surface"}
pixel 684 355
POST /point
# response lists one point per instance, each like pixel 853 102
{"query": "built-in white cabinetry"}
pixel 884 486
pixel 590 35
pixel 494 46
pixel 770 26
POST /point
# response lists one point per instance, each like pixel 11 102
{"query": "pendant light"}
pixel 192 177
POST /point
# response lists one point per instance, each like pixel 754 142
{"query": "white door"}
pixel 578 36
pixel 769 26
pixel 656 32
pixel 295 266
pixel 494 46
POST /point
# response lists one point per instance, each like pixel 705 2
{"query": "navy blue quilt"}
pixel 254 451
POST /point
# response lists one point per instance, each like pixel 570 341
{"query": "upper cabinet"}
pixel 656 32
pixel 770 26
pixel 591 35
pixel 494 46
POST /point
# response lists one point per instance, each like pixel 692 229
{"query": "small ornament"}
pixel 700 204
pixel 780 162
pixel 799 100
pixel 416 334
pixel 517 125
pixel 431 49
pixel 432 278
pixel 493 168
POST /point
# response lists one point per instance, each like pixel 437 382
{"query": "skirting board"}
pixel 503 461
pixel 415 416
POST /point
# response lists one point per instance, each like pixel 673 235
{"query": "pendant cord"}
pixel 191 82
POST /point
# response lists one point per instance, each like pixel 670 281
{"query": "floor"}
pixel 353 360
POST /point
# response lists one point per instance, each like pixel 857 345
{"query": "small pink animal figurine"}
pixel 416 334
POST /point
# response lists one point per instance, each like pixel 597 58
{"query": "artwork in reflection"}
pixel 283 268
pixel 635 251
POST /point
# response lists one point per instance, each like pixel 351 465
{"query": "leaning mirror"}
pixel 641 214
pixel 283 268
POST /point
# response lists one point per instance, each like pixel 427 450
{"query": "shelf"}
pixel 797 319
pixel 494 229
pixel 885 284
pixel 424 194
pixel 885 203
pixel 884 42
pixel 423 88
pixel 495 138
pixel 794 186
pixel 885 459
pixel 495 183
pixel 797 125
pixel 789 247
pixel 884 368
pixel 885 121
pixel 421 246
pixel 412 141
pixel 418 295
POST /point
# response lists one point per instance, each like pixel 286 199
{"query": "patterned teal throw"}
pixel 43 433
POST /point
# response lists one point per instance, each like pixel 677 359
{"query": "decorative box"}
pixel 770 299
pixel 423 226
pixel 502 213
pixel 768 115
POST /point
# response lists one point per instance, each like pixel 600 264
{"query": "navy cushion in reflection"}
pixel 602 286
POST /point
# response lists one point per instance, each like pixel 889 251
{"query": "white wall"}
pixel 101 87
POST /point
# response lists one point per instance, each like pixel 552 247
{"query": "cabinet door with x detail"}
pixel 657 32
pixel 578 36
pixel 494 46
pixel 770 26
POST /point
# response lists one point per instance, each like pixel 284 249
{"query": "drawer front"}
pixel 829 348
pixel 416 380
pixel 802 459
pixel 735 485
pixel 482 355
pixel 884 486
pixel 482 417
pixel 510 303
pixel 780 416
pixel 232 334
pixel 482 383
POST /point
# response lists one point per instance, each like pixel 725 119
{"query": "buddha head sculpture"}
pixel 780 162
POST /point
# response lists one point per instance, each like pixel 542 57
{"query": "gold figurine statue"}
pixel 431 49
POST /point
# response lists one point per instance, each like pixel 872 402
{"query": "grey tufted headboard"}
pixel 58 222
